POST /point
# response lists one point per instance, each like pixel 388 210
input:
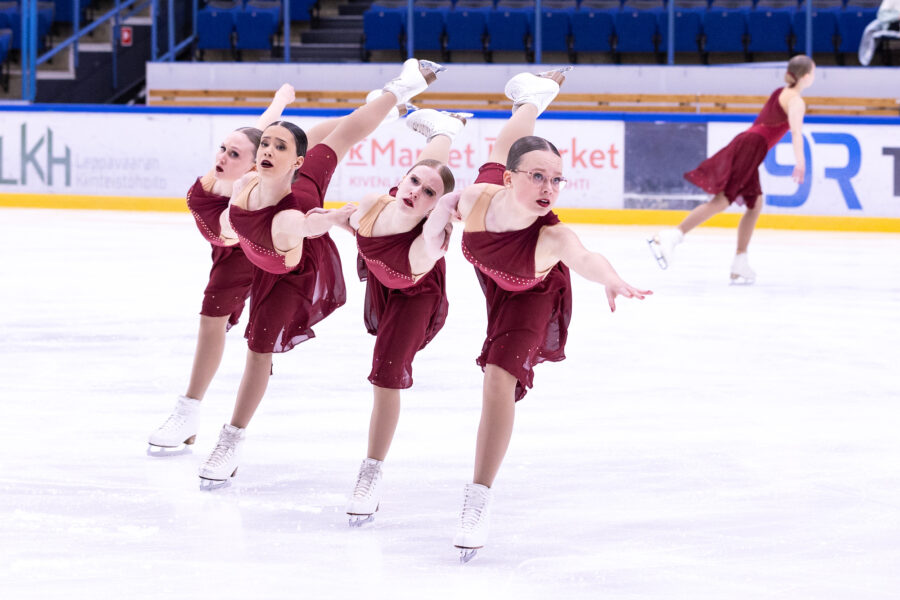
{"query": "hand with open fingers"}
pixel 799 174
pixel 342 216
pixel 625 290
pixel 286 94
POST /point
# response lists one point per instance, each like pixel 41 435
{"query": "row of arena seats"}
pixel 250 25
pixel 630 26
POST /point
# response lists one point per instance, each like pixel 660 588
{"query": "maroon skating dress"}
pixel 734 170
pixel 403 310
pixel 231 274
pixel 293 290
pixel 528 312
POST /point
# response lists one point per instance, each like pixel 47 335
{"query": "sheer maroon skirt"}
pixel 528 327
pixel 403 321
pixel 733 170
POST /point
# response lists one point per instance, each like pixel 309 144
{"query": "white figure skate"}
pixel 662 245
pixel 741 273
pixel 528 88
pixel 430 122
pixel 177 434
pixel 414 78
pixel 222 463
pixel 367 494
pixel 473 521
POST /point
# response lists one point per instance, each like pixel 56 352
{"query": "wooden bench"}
pixel 661 103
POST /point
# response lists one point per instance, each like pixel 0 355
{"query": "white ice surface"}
pixel 712 441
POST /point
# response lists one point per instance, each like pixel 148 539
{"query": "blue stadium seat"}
pixel 688 27
pixel 255 27
pixel 556 27
pixel 384 27
pixel 466 28
pixel 214 29
pixel 428 28
pixel 300 10
pixel 509 29
pixel 824 30
pixel 592 28
pixel 851 23
pixel 11 18
pixel 63 10
pixel 724 29
pixel 769 30
pixel 635 30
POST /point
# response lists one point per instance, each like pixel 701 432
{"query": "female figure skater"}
pixel 231 274
pixel 278 219
pixel 406 300
pixel 732 173
pixel 522 255
pixel 229 278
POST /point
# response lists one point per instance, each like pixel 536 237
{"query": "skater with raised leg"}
pixel 522 255
pixel 229 278
pixel 278 218
pixel 732 174
pixel 406 298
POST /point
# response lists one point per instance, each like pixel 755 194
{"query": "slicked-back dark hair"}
pixel 523 146
pixel 299 135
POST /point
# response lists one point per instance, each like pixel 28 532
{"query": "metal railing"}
pixel 121 11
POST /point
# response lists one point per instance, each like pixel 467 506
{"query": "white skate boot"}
pixel 741 273
pixel 222 464
pixel 528 88
pixel 414 78
pixel 367 494
pixel 400 110
pixel 662 245
pixel 430 122
pixel 178 432
pixel 473 521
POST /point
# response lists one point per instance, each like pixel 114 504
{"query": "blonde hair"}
pixel 797 67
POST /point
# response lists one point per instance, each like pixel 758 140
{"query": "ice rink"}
pixel 709 442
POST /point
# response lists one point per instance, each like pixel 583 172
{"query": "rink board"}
pixel 622 168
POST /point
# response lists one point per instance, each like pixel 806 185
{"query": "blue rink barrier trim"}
pixel 484 114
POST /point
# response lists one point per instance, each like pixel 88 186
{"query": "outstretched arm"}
pixel 796 111
pixel 560 242
pixel 283 97
pixel 437 229
pixel 291 227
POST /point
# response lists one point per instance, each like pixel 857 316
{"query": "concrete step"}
pixel 332 36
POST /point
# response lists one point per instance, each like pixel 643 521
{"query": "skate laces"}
pixel 473 509
pixel 365 482
pixel 224 449
pixel 177 419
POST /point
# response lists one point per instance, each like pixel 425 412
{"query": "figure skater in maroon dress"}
pixel 229 278
pixel 522 255
pixel 276 214
pixel 406 300
pixel 732 173
pixel 231 275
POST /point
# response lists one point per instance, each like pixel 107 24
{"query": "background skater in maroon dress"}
pixel 406 298
pixel 522 256
pixel 732 174
pixel 277 216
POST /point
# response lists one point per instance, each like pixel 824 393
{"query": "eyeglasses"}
pixel 538 179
